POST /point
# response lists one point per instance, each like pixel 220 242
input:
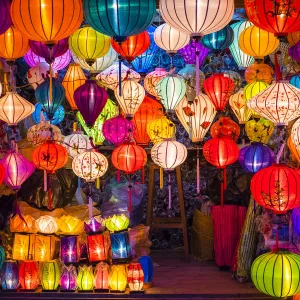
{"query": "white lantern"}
pixel 132 96
pixel 46 224
pixel 295 134
pixel 170 39
pixel 152 79
pixel 77 143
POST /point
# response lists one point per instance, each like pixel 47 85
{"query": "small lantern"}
pixel 21 246
pixel 2 257
pixel 46 224
pixel 28 275
pixel 147 265
pixel 94 225
pixel 39 113
pixel 259 130
pixel 85 278
pixel 98 247
pixel 44 247
pixel 70 225
pixel 135 277
pixel 259 72
pixel 10 275
pixel 50 276
pixel 118 278
pixel 27 224
pixel 68 278
pixel 117 223
pixel 225 127
pixel 120 247
pixel 69 249
pixel 152 79
pixel 101 276
pixel 160 129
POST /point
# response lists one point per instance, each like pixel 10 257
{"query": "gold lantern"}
pixel 160 129
pixel 43 247
pixel 22 246
pixel 70 225
pixel 27 224
pixel 46 224
pixel 118 278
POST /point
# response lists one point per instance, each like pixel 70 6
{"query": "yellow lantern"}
pixel 46 224
pixel 27 224
pixel 43 247
pixel 22 246
pixel 89 44
pixel 117 223
pixel 259 130
pixel 50 276
pixel 73 79
pixel 85 278
pixel 118 278
pixel 256 42
pixel 70 225
pixel 160 129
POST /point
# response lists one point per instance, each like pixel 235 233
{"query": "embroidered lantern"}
pixel 120 247
pixel 152 79
pixel 85 278
pixel 46 224
pixel 94 225
pixel 39 114
pixel 225 127
pixel 259 72
pixel 117 223
pixel 17 224
pixel 50 276
pixel 10 275
pixel 118 278
pixel 101 276
pixel 259 130
pixel 69 249
pixel 98 246
pixel 68 278
pixel 28 275
pixel 5 16
pixel 70 225
pixel 135 277
pixel 147 266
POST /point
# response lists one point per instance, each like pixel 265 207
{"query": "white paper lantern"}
pixel 46 224
pixel 77 143
pixel 295 134
pixel 152 79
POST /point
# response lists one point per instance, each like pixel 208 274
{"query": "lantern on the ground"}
pixel 120 247
pixel 101 276
pixel 135 277
pixel 147 266
pixel 70 224
pixel 259 72
pixel 50 275
pixel 152 79
pixel 225 127
pixel 46 224
pixel 28 275
pixel 39 114
pixel 160 129
pixel 118 278
pixel 94 225
pixel 69 249
pixel 5 16
pixel 68 278
pixel 85 278
pixel 98 246
pixel 259 130
pixel 117 223
pixel 10 275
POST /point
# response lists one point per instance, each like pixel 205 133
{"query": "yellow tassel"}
pixel 161 178
pixel 74 126
pixel 98 183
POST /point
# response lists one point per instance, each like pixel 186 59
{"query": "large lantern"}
pixel 276 188
pixel 32 59
pixel 225 127
pixel 68 278
pixel 28 275
pixel 120 247
pixel 10 275
pixel 259 72
pixel 98 247
pixel 152 79
pixel 85 278
pixel 254 88
pixel 50 276
pixel 135 277
pixel 118 278
pixel 61 62
pixel 5 16
pixel 101 276
pixel 47 21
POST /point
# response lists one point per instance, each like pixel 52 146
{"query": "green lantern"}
pixel 85 278
pixel 50 276
pixel 277 273
pixel 2 257
pixel 110 110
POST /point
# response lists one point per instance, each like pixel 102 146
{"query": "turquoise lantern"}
pixel 57 117
pixel 218 41
pixel 295 81
pixel 119 19
pixel 2 257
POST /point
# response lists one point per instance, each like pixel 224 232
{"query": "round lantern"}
pixel 225 127
pixel 235 77
pixel 171 90
pixel 295 134
pixel 77 143
pixel 259 130
pixel 129 158
pixel 259 72
pixel 118 278
pixel 133 46
pixel 5 18
pixel 255 157
pixel 295 152
pixel 257 42
pixel 90 100
pixel 218 88
pixel 50 275
pixel 61 62
pixel 101 276
pixel 131 97
pixel 277 273
pixel 28 275
pixel 170 39
pixel 197 116
pixel 148 111
pixel 85 278
pixel 238 105
pixel 152 79
pixel 39 114
pixel 27 225
pixel 40 21
pixel 32 59
pixel 293 37
pixel 68 278
pixel 279 18
pixel 295 81
pixel 187 16
pixel 219 40
pixel 14 108
pixel 73 79
pixel 117 223
pixel 10 275
pixel 191 50
pixel 46 224
pixel 135 277
pixel 168 154
pixel 89 44
pixel 90 165
pixel 160 129
pixel 254 88
pixel 120 19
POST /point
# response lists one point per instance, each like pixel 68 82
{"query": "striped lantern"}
pixel 77 143
pixel 295 134
pixel 152 79
pixel 135 277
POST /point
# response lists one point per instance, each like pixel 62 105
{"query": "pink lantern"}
pixel 118 130
pixel 101 276
pixel 32 59
pixel 62 61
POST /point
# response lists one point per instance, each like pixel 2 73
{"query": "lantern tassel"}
pixel 278 73
pixel 143 174
pixel 224 179
pixel 90 207
pixel 169 187
pixel 45 181
pixel 129 196
pixel 279 154
pixel 98 183
pixel 197 72
pixel 198 172
pixel 161 178
pixel 120 76
pixel 118 175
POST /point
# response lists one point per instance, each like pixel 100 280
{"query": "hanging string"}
pixel 45 181
pixel 197 72
pixel 170 192
pixel 225 178
pixel 161 178
pixel 129 194
pixel 279 154
pixel 198 171
pixel 120 76
pixel 90 199
pixel 143 174
pixel 278 73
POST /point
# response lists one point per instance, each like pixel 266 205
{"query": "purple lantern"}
pixel 94 225
pixel 118 130
pixel 69 249
pixel 5 19
pixel 189 52
pixel 90 99
pixel 40 49
pixel 68 278
pixel 294 52
pixel 10 275
pixel 32 59
pixel 60 62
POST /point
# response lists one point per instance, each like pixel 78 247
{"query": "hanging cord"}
pixel 90 199
pixel 198 170
pixel 129 194
pixel 120 75
pixel 170 190
pixel 278 73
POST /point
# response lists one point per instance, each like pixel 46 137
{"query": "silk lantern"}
pixel 70 224
pixel 61 62
pixel 2 257
pixel 295 134
pixel 294 52
pixel 118 278
pixel 235 77
pixel 117 223
pixel 32 59
pixel 24 224
pixel 69 249
pixel 85 278
pixel 120 247
pixel 68 278
pixel 43 247
pixel 28 275
pixel 218 88
pixel 293 37
pixel 119 20
pixel 259 72
pixel 50 276
pixel 98 246
pixel 73 79
pixel 5 16
pixel 254 88
pixel 21 246
pixel 39 114
pixel 152 79
pixel 101 276
pixel 46 224
pixel 294 150
pixel 95 224
pixel 14 108
pixel 225 127
pixel 10 275
pixel 47 21
pixel 90 100
pixel 295 81
pixel 135 277
pixel 193 51
pixel 147 265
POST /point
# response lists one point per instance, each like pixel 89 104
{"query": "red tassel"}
pixel 278 73
pixel 143 174
pixel 118 175
pixel 225 179
pixel 50 199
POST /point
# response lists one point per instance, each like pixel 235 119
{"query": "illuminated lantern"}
pixel 70 225
pixel 295 81
pixel 16 224
pixel 101 276
pixel 90 100
pixel 21 246
pixel 28 275
pixel 190 51
pixel 117 223
pixel 259 130
pixel 133 46
pixel 110 76
pixel 94 225
pixel 77 143
pixel 235 77
pixel 295 134
pixel 50 276
pixel 147 266
pixel 10 275
pixel 295 220
pixel 69 249
pixel 254 88
pixel 170 39
pixel 14 108
pixel 73 79
pixel 43 247
pixel 32 59
pixel 160 129
pixel 257 42
pixel 46 224
pixel 225 127
pixel 242 59
pixel 294 52
pixel 276 273
pixel 40 21
pixel 279 18
pixel 238 105
pixel 148 111
pixel 85 278
pixel 294 151
pixel 2 257
pixel 135 277
pixel 218 88
pixel 259 72
pixel 13 44
pixel 219 40
pixel 120 19
pixel 57 118
pixel 5 17
pixel 171 90
pixel 98 247
pixel 187 16
pixel 293 37
pixel 17 169
pixel 152 79
pixel 281 53
pixel 2 173
pixel 120 247
pixel 118 278
pixel 278 103
pixel 61 62
pixel 68 278
pixel 131 97
pixel 255 157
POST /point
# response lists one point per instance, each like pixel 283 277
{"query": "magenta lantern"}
pixel 90 99
pixel 118 130
pixel 294 52
pixel 32 59
pixel 5 20
pixel 189 52
pixel 60 62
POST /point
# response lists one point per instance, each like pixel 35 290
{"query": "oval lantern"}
pixel 135 277
pixel 68 278
pixel 259 130
pixel 5 18
pixel 32 59
pixel 9 275
pixel 192 51
pixel 225 127
pixel 259 72
pixel 254 88
pixel 50 275
pixel 38 115
pixel 152 79
pixel 46 224
pixel 61 62
pixel 28 275
pixel 77 143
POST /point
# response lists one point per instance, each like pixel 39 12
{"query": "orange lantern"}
pixel 295 152
pixel 28 275
pixel 98 247
pixel 17 224
pixel 22 245
pixel 259 72
pixel 225 127
pixel 293 37
pixel 152 79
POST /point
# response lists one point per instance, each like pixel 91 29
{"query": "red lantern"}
pixel 133 46
pixel 276 188
pixel 225 127
pixel 98 247
pixel 135 277
pixel 28 275
pixel 218 88
pixel 148 111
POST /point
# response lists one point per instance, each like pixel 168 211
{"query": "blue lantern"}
pixel 147 267
pixel 10 275
pixel 42 95
pixel 295 81
pixel 57 118
pixel 255 157
pixel 120 247
pixel 296 220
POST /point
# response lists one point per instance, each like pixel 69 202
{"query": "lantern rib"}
pixel 297 264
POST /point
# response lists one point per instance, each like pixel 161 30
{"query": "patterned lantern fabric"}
pixel 190 51
pixel 68 278
pixel 32 59
pixel 117 223
pixel 259 72
pixel 50 275
pixel 61 62
pixel 118 277
pixel 85 278
pixel 39 114
pixel 28 275
pixel 101 278
pixel 77 143
pixel 46 224
pixel 70 225
pixel 152 79
pixel 225 127
pixel 135 277
pixel 10 275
